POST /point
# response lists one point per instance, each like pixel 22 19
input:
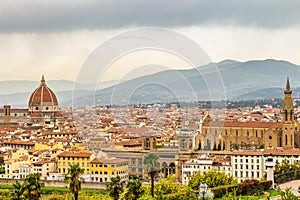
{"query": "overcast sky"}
pixel 56 37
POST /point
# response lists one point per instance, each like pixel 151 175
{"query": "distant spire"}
pixel 287 87
pixel 43 82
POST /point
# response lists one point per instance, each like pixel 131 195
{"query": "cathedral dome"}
pixel 43 96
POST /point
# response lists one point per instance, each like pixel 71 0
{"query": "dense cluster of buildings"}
pixel 42 139
pixel 109 142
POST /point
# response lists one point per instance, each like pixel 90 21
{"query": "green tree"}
pixel 212 178
pixel 167 188
pixel 134 190
pixel 288 195
pixel 18 192
pixel 152 166
pixel 73 178
pixel 285 166
pixel 114 187
pixel 32 186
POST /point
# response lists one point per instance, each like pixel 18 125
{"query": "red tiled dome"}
pixel 42 94
pixel 35 115
pixel 58 114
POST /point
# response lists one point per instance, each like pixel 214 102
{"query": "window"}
pixel 270 137
pixel 236 132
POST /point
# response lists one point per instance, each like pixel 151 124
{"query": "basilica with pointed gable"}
pixel 230 135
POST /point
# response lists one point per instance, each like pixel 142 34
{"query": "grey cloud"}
pixel 57 15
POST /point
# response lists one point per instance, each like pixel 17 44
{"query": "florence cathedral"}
pixel 42 108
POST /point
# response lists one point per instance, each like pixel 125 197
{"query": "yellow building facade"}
pixel 66 159
pixel 102 170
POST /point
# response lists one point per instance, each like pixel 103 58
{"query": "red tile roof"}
pixel 74 154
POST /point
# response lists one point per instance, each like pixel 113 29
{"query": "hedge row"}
pixel 239 188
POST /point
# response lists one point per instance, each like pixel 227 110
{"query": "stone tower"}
pixel 287 118
pixel 6 113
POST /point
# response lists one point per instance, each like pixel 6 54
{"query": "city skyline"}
pixel 56 38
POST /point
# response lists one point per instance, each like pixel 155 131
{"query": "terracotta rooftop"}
pixel 250 124
pixel 247 153
pixel 19 142
pixel 74 154
pixel 282 151
pixel 108 161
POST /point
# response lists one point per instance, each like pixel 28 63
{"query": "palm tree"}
pixel 134 188
pixel 32 186
pixel 114 187
pixel 18 192
pixel 73 178
pixel 151 165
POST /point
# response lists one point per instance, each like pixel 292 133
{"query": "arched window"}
pixel 286 139
pixel 286 115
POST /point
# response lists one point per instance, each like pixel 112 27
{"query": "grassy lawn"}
pixel 49 190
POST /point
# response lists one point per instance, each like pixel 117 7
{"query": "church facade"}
pixel 230 135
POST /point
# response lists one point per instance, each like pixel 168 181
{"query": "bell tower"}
pixel 288 118
pixel 6 109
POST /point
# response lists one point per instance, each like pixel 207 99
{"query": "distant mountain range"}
pixel 256 79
